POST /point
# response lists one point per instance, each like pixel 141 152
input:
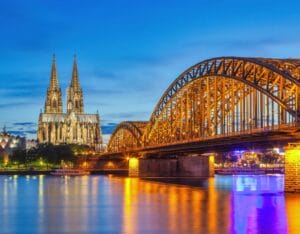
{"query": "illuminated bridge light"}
pixel 292 168
pixel 133 167
pixel 211 165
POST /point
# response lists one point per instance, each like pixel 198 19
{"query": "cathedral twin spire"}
pixel 53 78
pixel 74 93
pixel 53 102
pixel 74 81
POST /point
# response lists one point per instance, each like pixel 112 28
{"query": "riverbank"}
pixel 248 171
pixel 124 172
pixel 47 172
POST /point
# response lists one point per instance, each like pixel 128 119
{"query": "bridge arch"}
pixel 226 95
pixel 126 136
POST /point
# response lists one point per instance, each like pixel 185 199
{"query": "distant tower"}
pixel 74 93
pixel 53 102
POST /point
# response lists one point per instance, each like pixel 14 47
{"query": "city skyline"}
pixel 128 53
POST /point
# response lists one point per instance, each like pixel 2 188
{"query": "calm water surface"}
pixel 107 204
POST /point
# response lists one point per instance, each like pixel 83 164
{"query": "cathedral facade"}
pixel 73 126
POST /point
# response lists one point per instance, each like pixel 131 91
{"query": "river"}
pixel 110 204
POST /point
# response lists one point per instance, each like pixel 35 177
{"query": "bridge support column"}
pixel 211 165
pixel 292 168
pixel 133 170
pixel 186 166
pixel 199 166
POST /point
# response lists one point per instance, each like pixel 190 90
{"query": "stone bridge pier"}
pixel 185 166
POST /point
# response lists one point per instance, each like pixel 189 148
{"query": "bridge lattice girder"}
pixel 224 96
pixel 126 136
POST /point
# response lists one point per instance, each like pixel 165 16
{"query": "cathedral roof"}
pixel 60 118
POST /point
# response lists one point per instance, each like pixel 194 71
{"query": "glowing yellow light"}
pixel 292 166
pixel 84 164
pixel 211 159
pixel 5 159
pixel 292 155
pixel 110 165
pixel 133 162
pixel 133 167
pixel 211 165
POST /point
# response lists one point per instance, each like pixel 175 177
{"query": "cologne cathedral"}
pixel 74 126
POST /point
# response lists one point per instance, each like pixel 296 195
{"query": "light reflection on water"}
pixel 106 204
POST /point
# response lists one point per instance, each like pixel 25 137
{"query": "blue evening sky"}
pixel 128 52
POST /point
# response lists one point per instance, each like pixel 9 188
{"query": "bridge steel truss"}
pixel 127 135
pixel 222 97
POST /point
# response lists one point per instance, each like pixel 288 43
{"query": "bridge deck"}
pixel 251 139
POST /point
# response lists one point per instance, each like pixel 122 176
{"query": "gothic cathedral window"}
pixel 54 103
pixel 70 105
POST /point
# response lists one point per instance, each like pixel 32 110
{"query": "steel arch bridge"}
pixel 127 135
pixel 219 98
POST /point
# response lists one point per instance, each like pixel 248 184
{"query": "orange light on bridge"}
pixel 110 165
pixel 211 165
pixel 85 164
pixel 133 167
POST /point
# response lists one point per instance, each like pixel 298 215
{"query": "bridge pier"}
pixel 292 168
pixel 186 166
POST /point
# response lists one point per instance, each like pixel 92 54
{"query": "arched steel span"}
pixel 235 68
pixel 127 135
pixel 226 95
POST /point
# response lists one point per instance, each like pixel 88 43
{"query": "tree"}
pixel 65 153
pixel 19 156
pixel 80 149
pixel 47 153
pixel 32 155
pixel 54 154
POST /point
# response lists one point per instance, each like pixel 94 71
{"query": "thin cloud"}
pixel 25 124
pixel 13 105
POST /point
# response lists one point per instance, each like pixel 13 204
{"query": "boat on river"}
pixel 69 172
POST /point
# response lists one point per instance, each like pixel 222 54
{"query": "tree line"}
pixel 48 154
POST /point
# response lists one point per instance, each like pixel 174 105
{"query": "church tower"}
pixel 74 93
pixel 53 102
pixel 73 127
